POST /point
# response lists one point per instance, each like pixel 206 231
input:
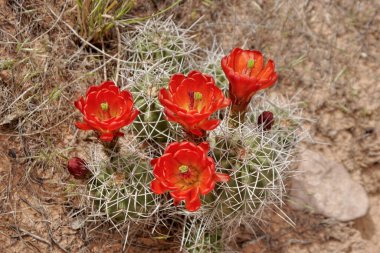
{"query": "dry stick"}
pixel 56 243
pixel 47 226
pixel 104 59
pixel 27 233
pixel 118 53
pixel 18 229
pixel 55 23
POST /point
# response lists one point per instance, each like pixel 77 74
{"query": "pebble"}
pixel 325 187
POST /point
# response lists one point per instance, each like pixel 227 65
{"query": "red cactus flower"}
pixel 78 168
pixel 106 109
pixel 246 73
pixel 265 120
pixel 186 171
pixel 191 100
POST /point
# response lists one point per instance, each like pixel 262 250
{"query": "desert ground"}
pixel 328 58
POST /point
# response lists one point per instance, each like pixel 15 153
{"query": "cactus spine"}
pixel 257 161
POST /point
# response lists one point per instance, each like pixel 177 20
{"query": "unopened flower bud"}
pixel 266 120
pixel 78 168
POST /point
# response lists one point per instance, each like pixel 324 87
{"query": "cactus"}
pixel 212 66
pixel 256 159
pixel 258 163
pixel 118 191
pixel 158 49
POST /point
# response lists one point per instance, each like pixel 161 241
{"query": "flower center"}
pixel 194 98
pixel 250 63
pixel 183 169
pixel 104 106
pixel 185 173
pixel 197 96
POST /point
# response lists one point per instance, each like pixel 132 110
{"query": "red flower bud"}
pixel 266 120
pixel 78 168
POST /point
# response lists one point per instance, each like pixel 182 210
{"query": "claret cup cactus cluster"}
pixel 182 153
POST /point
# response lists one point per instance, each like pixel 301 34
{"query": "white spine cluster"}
pixel 258 161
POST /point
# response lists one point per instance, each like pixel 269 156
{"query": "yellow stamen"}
pixel 197 95
pixel 183 168
pixel 250 63
pixel 104 106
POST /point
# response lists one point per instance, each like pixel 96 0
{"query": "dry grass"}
pixel 327 53
pixel 42 72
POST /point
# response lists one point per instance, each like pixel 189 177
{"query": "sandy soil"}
pixel 328 57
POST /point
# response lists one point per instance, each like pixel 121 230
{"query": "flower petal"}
pixel 204 146
pixel 83 126
pixel 194 205
pixel 175 81
pixel 157 187
pixel 79 104
pixel 222 177
pixel 193 194
pixel 107 137
pixel 209 124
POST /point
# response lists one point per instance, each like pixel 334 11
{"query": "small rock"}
pixel 5 75
pixel 77 224
pixel 325 187
pixel 254 247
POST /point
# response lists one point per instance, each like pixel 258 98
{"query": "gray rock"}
pixel 324 186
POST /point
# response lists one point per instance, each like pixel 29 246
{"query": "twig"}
pixel 27 233
pixel 57 244
pixel 118 53
pixel 104 60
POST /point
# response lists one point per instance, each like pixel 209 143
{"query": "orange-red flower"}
pixel 106 109
pixel 246 73
pixel 191 100
pixel 186 171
